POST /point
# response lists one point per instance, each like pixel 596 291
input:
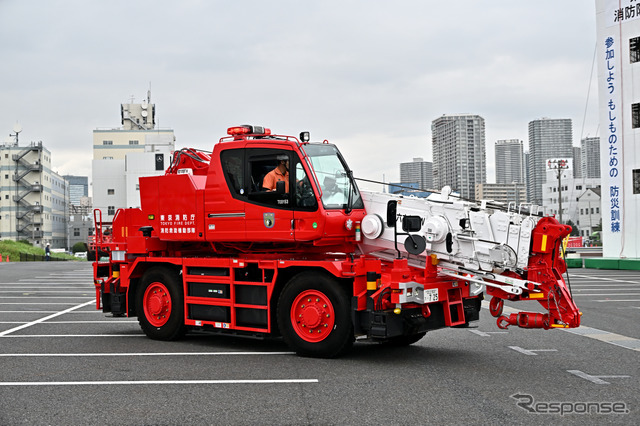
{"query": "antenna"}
pixel 17 128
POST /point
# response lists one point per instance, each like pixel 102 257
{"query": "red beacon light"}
pixel 248 130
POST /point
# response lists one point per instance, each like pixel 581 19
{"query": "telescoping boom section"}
pixel 270 236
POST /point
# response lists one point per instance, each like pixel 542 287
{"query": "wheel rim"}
pixel 157 304
pixel 312 316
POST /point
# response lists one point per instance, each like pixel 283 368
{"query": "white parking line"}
pixel 145 354
pixel 56 291
pixel 38 321
pixel 617 284
pixel 607 294
pixel 595 379
pixel 590 332
pixel 48 312
pixel 164 382
pixel 48 277
pixel 56 281
pixel 606 279
pixel 36 303
pixel 87 293
pixel 94 322
pixel 74 322
pixel 530 351
pixel 40 336
pixel 606 337
pixel 602 289
pixel 56 288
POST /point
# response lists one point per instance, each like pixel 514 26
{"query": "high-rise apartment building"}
pixel 509 161
pixel 122 155
pixel 590 157
pixel 459 156
pixel 548 138
pixel 419 172
pixel 577 161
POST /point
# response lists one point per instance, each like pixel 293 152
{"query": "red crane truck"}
pixel 217 245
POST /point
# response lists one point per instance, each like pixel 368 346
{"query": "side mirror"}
pixel 281 187
pixel 391 213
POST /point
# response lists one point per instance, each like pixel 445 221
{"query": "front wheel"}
pixel 160 304
pixel 313 316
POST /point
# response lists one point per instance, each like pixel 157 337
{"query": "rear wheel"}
pixel 160 304
pixel 313 316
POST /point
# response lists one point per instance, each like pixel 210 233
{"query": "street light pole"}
pixel 559 166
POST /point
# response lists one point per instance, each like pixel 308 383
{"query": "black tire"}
pixel 314 316
pixel 400 341
pixel 160 304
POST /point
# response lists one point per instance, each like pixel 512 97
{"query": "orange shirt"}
pixel 273 177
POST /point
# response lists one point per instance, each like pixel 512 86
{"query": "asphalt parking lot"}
pixel 64 362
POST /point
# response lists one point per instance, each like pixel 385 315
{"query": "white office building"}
pixel 122 155
pixel 33 198
pixel 590 213
pixel 561 191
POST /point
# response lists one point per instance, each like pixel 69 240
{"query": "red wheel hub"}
pixel 157 304
pixel 312 316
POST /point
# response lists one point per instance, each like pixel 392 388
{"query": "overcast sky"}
pixel 369 76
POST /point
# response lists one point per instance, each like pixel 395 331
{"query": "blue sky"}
pixel 367 75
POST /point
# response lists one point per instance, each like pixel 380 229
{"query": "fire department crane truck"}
pixel 309 257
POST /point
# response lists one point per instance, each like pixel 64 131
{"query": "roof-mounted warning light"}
pixel 248 130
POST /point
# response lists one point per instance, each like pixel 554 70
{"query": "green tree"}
pixel 79 246
pixel 575 232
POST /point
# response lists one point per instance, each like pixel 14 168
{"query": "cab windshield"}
pixel 339 190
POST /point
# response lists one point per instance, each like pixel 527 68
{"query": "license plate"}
pixel 430 295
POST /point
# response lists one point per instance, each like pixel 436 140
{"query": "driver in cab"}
pixel 280 173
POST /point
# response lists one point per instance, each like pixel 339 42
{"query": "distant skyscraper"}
pixel 548 138
pixel 590 154
pixel 577 160
pixel 459 156
pixel 78 188
pixel 418 171
pixel 509 161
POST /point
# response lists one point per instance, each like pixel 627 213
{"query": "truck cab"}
pixel 315 202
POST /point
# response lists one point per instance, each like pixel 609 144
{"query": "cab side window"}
pixel 233 168
pixel 304 196
pixel 268 177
